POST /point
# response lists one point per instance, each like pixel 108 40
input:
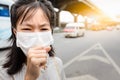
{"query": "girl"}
pixel 31 56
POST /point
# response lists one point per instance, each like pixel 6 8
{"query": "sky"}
pixel 66 17
pixel 110 7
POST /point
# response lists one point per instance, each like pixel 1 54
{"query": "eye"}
pixel 44 29
pixel 26 29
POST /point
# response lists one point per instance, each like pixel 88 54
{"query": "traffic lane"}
pixel 96 69
pixel 73 46
pixel 95 62
pixel 111 43
pixel 67 48
pixel 107 39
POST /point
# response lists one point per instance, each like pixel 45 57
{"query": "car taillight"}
pixel 68 30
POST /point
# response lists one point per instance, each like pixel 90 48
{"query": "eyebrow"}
pixel 31 25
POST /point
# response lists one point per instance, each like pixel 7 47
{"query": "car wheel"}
pixel 66 36
pixel 78 34
pixel 83 34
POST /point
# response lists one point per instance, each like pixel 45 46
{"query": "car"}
pixel 74 30
pixel 56 29
pixel 5 25
pixel 118 27
pixel 109 28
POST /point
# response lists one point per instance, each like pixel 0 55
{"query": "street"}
pixel 92 57
pixel 93 53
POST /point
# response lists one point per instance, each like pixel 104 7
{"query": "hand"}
pixel 36 59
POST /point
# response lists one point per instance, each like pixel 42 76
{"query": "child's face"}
pixel 37 23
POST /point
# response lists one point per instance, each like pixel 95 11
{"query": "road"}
pixel 92 57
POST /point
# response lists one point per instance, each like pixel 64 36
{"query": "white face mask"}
pixel 27 40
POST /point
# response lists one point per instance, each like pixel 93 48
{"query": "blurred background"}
pixel 86 37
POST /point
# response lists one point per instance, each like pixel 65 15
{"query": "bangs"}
pixel 26 12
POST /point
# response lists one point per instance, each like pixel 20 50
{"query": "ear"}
pixel 14 31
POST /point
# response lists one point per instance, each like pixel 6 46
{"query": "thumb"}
pixel 48 48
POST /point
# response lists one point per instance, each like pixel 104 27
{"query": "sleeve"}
pixel 61 69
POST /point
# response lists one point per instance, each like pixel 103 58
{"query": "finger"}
pixel 48 48
pixel 37 54
pixel 38 47
pixel 39 61
pixel 36 51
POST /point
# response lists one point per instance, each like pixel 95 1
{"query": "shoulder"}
pixel 58 63
pixel 60 67
pixel 58 60
pixel 3 74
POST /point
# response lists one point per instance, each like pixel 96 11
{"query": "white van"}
pixel 5 31
pixel 74 30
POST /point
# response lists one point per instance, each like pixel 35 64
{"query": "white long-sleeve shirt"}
pixel 54 71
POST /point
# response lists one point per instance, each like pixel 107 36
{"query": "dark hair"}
pixel 19 10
